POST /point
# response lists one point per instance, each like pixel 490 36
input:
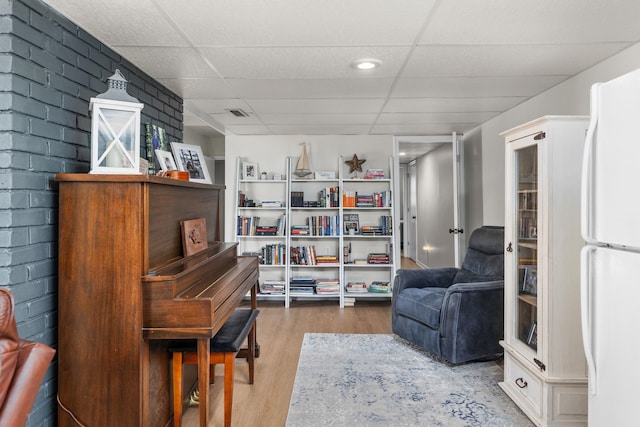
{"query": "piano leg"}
pixel 204 352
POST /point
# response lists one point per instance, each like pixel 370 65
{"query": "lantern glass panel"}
pixel 116 138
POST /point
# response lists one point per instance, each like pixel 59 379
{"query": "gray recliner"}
pixel 456 314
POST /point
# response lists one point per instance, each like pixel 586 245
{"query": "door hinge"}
pixel 539 136
pixel 456 231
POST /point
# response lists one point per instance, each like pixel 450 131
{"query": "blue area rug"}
pixel 379 380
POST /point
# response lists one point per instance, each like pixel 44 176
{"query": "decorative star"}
pixel 355 164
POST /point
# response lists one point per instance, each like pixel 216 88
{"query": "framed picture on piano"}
pixel 194 235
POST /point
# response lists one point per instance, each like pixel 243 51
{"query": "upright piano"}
pixel 125 289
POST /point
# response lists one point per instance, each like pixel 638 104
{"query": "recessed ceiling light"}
pixel 402 153
pixel 366 64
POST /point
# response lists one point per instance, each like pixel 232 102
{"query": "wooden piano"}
pixel 125 289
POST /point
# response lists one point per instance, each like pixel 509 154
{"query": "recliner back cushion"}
pixel 484 260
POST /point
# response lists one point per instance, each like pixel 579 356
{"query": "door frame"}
pixel 458 216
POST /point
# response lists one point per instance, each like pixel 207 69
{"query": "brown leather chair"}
pixel 22 367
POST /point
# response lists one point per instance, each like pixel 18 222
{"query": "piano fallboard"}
pixel 193 297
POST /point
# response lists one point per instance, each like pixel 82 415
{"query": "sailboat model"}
pixel 302 167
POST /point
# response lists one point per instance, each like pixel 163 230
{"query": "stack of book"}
pixel 266 230
pixel 379 287
pixel 327 259
pixel 327 287
pixel 378 258
pixel 374 174
pixel 356 288
pixel 300 230
pixel 324 225
pixel 272 287
pixel 271 204
pixel 364 201
pixel 302 285
pixel 371 230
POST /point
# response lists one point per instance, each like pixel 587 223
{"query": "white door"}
pixel 611 317
pixel 611 207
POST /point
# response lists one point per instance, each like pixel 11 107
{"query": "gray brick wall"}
pixel 49 69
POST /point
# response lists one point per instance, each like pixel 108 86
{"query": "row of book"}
pixel 310 286
pixel 306 255
pixel 274 254
pixel 319 225
pixel 327 198
pixel 384 229
pixel 353 199
pixel 379 287
pixel 250 226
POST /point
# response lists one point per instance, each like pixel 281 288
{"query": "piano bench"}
pixel 225 345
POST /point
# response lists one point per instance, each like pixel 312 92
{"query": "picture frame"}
pixel 191 159
pixel 165 160
pixel 530 281
pixel 249 171
pixel 351 224
pixel 194 235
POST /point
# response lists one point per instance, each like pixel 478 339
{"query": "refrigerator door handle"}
pixel 585 200
pixel 586 315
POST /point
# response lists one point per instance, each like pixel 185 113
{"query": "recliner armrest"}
pixel 479 298
pixel 427 278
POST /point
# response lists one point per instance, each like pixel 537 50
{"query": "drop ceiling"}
pixel 447 66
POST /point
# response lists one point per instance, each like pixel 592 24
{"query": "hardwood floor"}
pixel 280 333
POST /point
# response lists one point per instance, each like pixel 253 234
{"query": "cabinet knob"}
pixel 509 247
pixel 521 382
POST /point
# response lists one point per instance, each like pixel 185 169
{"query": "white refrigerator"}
pixel 610 282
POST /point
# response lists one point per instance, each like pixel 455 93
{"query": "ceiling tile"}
pixel 199 88
pixel 295 129
pixel 304 62
pixel 328 119
pixel 299 22
pixel 335 105
pixel 474 87
pixel 506 60
pixel 168 62
pixel 537 22
pixel 310 88
pixel 422 129
pixel 412 118
pixel 220 106
pixel 428 105
pixel 122 22
pixel 249 129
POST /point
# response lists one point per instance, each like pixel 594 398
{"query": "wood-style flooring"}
pixel 280 332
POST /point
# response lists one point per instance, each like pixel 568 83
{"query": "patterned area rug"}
pixel 378 380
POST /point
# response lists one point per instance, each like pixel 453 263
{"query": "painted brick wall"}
pixel 49 69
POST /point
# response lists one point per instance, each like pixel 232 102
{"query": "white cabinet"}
pixel 309 220
pixel 544 365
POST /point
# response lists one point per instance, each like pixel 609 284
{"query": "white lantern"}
pixel 115 129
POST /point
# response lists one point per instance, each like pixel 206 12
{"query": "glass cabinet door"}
pixel 526 308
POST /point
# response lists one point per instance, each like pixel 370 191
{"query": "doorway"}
pixel 433 206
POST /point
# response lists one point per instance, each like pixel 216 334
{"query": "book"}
pixel 356 287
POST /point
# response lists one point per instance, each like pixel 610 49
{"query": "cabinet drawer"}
pixel 519 379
